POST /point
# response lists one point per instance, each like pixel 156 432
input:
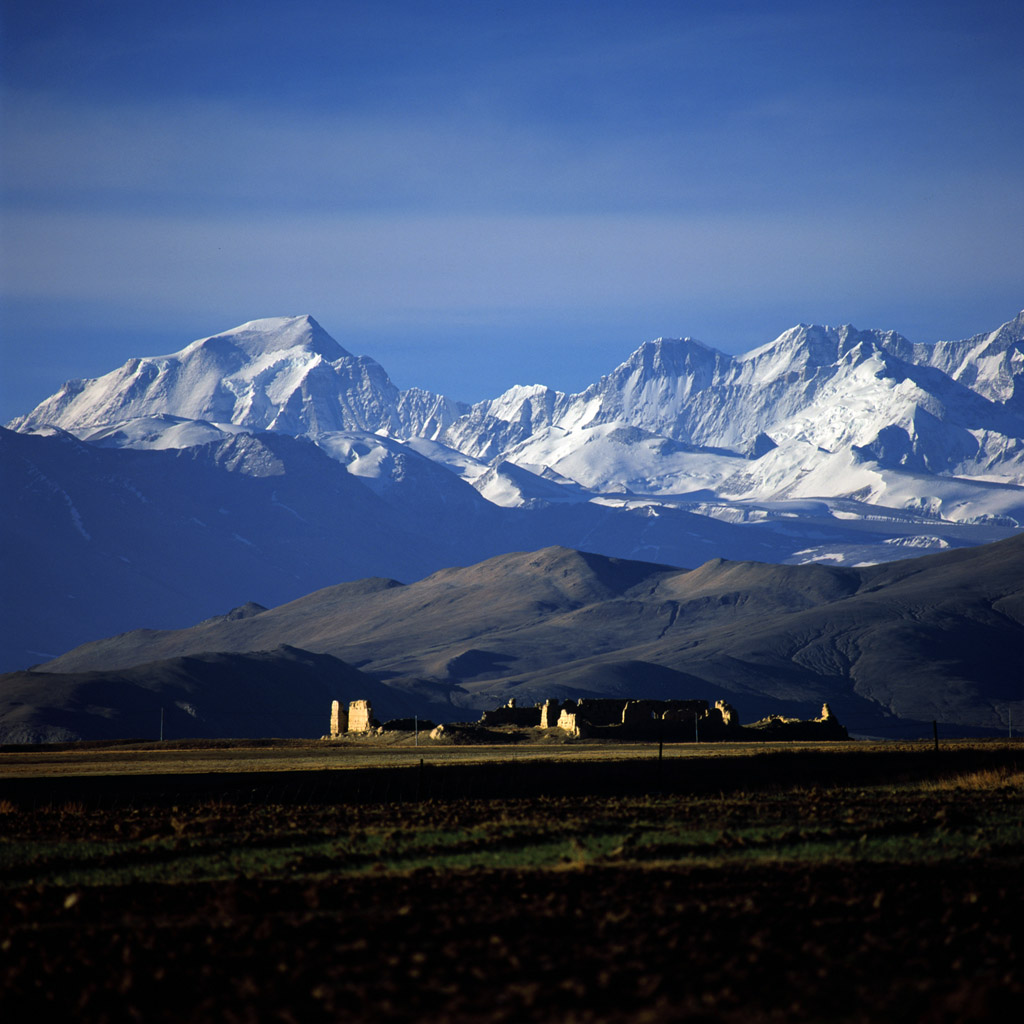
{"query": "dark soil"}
pixel 744 906
pixel 870 944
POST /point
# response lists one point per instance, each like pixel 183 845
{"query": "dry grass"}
pixel 312 755
pixel 985 780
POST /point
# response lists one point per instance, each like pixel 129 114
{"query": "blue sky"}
pixel 483 194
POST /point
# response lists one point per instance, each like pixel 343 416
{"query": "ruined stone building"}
pixel 669 721
pixel 358 717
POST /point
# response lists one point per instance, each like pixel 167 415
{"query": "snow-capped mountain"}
pixel 827 444
pixel 954 408
pixel 285 374
pixel 674 419
pixel 991 363
pixel 833 388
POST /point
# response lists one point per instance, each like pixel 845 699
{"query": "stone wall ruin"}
pixel 360 716
pixel 669 721
pixel 339 719
pixel 776 727
pixel 511 714
pixel 673 721
pixel 357 717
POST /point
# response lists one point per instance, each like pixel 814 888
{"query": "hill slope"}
pixel 95 541
pixel 889 646
pixel 284 692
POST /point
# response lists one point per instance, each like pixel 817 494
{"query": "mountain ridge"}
pixel 279 373
pixel 890 646
pixel 800 360
pixel 813 389
pixel 267 461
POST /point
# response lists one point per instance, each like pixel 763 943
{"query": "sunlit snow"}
pixel 860 430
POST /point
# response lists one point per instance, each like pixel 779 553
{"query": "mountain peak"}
pixel 276 334
pixel 812 346
pixel 672 357
pixel 277 373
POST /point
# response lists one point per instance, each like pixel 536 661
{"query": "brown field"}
pixel 306 882
pixel 193 756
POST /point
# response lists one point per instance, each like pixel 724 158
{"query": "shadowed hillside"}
pixel 890 647
pixel 284 692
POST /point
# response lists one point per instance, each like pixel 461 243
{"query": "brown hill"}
pixel 891 647
pixel 284 693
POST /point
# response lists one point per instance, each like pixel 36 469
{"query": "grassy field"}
pixel 311 755
pixel 147 757
pixel 848 882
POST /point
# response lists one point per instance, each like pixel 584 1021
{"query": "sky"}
pixel 485 194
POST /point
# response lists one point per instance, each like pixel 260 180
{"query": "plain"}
pixel 848 882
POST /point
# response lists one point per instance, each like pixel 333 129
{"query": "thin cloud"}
pixel 781 156
pixel 548 176
pixel 442 262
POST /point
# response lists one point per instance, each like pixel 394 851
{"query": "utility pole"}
pixel 416 727
pixel 161 725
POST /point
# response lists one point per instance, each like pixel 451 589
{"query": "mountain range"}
pixel 890 647
pixel 266 462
